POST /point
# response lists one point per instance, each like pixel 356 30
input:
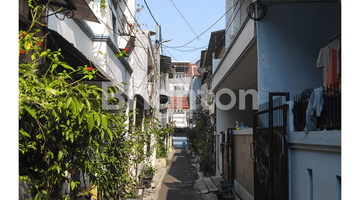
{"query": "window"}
pixel 179 87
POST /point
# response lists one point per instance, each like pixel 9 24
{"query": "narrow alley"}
pixel 178 100
pixel 179 182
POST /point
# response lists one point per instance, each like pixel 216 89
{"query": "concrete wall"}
pixel 320 152
pixel 139 61
pixel 243 164
pixel 71 31
pixel 195 89
pixel 236 17
pixel 226 118
pixel 290 37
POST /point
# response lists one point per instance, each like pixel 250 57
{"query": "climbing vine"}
pixel 63 126
pixel 162 132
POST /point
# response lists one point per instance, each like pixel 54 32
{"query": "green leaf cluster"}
pixel 63 126
pixel 201 140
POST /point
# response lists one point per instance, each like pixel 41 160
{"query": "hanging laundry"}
pixel 338 58
pixel 324 58
pixel 332 75
pixel 314 108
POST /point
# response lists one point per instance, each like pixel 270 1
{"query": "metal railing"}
pixel 330 117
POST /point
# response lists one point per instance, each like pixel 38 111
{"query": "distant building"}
pixel 177 86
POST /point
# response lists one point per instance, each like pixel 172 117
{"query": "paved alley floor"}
pixel 179 182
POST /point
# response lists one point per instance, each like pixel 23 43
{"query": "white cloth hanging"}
pixel 324 57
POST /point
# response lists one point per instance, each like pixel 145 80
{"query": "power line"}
pixel 160 39
pixel 170 54
pixel 179 48
pixel 185 20
pixel 141 83
pixel 138 60
pixel 134 19
pixel 197 58
pixel 207 28
pixel 151 13
pixel 228 27
pixel 190 50
pixel 186 53
pixel 176 84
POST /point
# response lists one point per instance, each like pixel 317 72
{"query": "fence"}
pixel 277 114
pixel 331 114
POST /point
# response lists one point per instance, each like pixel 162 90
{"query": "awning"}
pixel 80 8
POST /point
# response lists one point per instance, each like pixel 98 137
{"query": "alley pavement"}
pixel 179 181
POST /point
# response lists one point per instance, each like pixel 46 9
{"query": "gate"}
pixel 271 177
pixel 228 155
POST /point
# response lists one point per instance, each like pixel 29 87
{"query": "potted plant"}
pixel 150 171
pixel 146 176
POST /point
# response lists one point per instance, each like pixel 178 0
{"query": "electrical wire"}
pixel 195 59
pixel 124 17
pixel 187 51
pixel 207 28
pixel 186 21
pixel 151 13
pixel 226 30
pixel 190 50
pixel 176 84
pixel 138 60
pixel 179 48
pixel 141 83
pixel 134 19
pixel 171 54
pixel 228 27
pixel 250 10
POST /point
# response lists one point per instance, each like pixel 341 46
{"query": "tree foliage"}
pixel 201 141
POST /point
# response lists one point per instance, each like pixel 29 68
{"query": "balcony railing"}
pixel 330 117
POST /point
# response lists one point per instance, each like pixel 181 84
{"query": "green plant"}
pixel 162 132
pixel 102 4
pixel 201 140
pixel 150 170
pixel 167 162
pixel 63 126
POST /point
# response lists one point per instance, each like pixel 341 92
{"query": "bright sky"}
pixel 200 14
